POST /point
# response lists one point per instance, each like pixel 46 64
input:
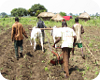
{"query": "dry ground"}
pixel 36 65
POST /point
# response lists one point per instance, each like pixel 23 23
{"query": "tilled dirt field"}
pixel 36 65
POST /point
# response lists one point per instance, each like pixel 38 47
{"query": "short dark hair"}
pixel 76 19
pixel 16 19
pixel 64 24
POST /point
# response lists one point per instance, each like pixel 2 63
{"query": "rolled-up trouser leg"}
pixel 66 60
pixel 16 48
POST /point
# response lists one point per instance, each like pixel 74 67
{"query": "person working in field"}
pixel 41 24
pixel 78 28
pixel 68 38
pixel 64 21
pixel 17 36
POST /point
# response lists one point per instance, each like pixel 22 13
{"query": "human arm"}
pixel 58 39
pixel 74 40
pixel 82 30
pixel 12 33
pixel 74 36
pixel 44 25
pixel 73 28
pixel 24 33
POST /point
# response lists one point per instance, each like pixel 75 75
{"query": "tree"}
pixel 37 12
pixel 6 16
pixel 97 14
pixel 71 14
pixel 22 12
pixel 62 14
pixel 14 12
pixel 36 9
pixel 19 12
pixel 30 12
pixel 3 14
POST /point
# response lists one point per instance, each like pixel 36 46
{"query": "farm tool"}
pixel 58 57
pixel 96 60
pixel 58 61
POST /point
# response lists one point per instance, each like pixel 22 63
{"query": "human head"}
pixel 17 19
pixel 39 19
pixel 77 19
pixel 64 24
pixel 63 19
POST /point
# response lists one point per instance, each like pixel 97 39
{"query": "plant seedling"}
pixel 97 73
pixel 46 68
pixel 43 61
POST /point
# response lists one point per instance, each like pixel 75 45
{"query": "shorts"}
pixel 79 45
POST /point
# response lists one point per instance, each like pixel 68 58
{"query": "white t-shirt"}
pixel 67 37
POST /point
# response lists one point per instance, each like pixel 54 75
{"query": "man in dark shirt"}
pixel 41 24
pixel 64 22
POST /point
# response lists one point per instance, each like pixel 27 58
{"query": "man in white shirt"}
pixel 68 38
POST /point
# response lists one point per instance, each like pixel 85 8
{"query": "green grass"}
pixel 1 69
pixel 33 20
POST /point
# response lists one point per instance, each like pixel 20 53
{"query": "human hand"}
pixel 12 39
pixel 73 44
pixel 53 46
pixel 26 36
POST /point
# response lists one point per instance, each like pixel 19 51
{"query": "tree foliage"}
pixel 19 12
pixel 71 14
pixel 3 14
pixel 30 12
pixel 97 14
pixel 62 14
pixel 37 9
pixel 6 16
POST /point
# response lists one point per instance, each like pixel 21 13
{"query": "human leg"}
pixel 73 50
pixel 21 48
pixel 81 47
pixel 69 50
pixel 66 60
pixel 83 56
pixel 82 50
pixel 16 48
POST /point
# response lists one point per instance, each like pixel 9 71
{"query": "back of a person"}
pixel 77 28
pixel 18 31
pixel 67 37
pixel 40 24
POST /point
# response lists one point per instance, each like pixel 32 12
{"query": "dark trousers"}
pixel 16 45
pixel 66 56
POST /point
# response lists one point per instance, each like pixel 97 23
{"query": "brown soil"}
pixel 33 65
